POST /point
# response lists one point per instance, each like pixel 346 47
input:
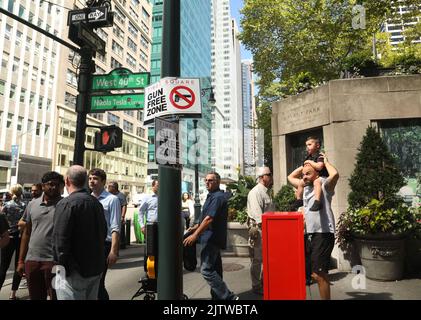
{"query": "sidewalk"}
pixel 122 282
pixel 237 277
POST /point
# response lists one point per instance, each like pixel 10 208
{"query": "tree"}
pixel 376 174
pixel 314 37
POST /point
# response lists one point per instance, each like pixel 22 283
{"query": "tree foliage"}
pixel 376 174
pixel 237 204
pixel 310 40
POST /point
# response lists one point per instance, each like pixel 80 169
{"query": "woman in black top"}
pixel 13 211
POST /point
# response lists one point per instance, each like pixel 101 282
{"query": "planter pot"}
pixel 237 239
pixel 382 256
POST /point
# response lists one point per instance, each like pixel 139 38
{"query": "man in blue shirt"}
pixel 213 237
pixel 112 211
pixel 149 207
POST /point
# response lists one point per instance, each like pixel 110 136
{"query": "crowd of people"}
pixel 63 246
pixel 76 238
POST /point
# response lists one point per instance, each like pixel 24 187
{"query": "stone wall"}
pixel 344 109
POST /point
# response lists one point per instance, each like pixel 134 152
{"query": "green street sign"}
pixel 120 79
pixel 117 102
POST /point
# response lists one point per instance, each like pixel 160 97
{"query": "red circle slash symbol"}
pixel 105 137
pixel 182 97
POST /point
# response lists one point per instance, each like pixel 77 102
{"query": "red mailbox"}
pixel 283 256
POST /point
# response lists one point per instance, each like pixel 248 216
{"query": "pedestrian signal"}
pixel 108 138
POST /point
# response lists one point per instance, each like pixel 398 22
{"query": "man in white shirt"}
pixel 258 202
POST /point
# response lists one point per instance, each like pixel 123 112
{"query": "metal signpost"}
pixel 81 24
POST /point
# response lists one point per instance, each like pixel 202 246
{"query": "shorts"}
pixel 319 247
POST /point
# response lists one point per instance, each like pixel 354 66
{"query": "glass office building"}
pixel 195 53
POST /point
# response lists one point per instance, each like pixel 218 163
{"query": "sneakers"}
pixel 317 205
pixel 235 297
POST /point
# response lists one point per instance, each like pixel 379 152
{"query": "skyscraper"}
pixel 249 117
pixel 38 88
pixel 227 156
pixel 195 62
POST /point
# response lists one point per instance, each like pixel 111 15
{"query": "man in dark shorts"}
pixel 320 224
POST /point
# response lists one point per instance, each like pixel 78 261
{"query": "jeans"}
pixel 6 258
pixel 211 270
pixel 76 287
pixel 102 292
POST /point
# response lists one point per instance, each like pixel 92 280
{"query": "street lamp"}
pixel 197 206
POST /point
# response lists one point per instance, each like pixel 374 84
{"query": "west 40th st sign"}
pixel 120 79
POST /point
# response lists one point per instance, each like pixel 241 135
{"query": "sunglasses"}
pixel 210 180
pixel 267 174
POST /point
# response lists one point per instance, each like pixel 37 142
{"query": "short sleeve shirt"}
pixel 122 198
pixel 41 216
pixel 321 221
pixel 317 157
pixel 216 207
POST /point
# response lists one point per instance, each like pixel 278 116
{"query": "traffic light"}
pixel 108 138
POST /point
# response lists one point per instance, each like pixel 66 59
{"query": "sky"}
pixel 236 6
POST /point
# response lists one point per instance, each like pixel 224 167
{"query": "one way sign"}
pixel 95 16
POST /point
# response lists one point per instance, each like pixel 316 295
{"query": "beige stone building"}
pixel 339 113
pixel 39 76
pixel 127 165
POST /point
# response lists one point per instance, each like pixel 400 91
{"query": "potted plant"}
pixel 237 215
pixel 377 220
pixel 284 198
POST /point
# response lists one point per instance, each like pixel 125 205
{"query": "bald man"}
pixel 258 202
pixel 79 235
pixel 319 224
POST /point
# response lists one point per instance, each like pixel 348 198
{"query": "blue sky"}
pixel 236 5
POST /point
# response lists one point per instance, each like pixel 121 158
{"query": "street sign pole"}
pixel 87 67
pixel 170 276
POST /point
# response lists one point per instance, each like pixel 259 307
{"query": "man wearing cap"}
pixel 258 202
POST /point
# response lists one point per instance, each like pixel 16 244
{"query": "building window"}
pixel 118 15
pixel 134 14
pixel 117 48
pixel 71 78
pixel 127 126
pixel 129 112
pixel 131 61
pixel 12 91
pixel 70 100
pixel 9 120
pixel 115 63
pixel 133 30
pixel 140 132
pixel 131 44
pixel 118 32
pixel 2 84
pixel 145 15
pixel 113 119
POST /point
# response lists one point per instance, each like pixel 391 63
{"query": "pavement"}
pixel 122 282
